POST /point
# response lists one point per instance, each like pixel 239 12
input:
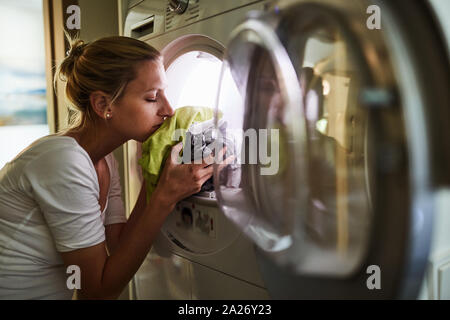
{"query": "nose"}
pixel 165 109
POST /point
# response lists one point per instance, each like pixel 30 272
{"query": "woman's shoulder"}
pixel 54 144
pixel 56 152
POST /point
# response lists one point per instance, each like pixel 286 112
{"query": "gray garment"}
pixel 207 142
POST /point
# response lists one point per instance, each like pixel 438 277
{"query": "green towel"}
pixel 157 148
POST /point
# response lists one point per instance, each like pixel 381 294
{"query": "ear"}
pixel 100 102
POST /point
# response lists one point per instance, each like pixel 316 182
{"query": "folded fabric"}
pixel 157 148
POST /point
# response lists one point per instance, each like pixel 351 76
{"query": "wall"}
pixel 99 18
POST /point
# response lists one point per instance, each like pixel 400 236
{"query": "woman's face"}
pixel 143 106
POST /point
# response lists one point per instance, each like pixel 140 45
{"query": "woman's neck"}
pixel 97 141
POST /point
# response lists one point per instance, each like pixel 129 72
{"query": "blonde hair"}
pixel 107 65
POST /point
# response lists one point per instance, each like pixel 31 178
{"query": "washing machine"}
pixel 348 103
pixel 199 253
pixel 361 111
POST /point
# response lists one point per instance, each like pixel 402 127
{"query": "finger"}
pixel 210 159
pixel 209 171
pixel 175 153
pixel 177 148
pixel 206 177
pixel 206 171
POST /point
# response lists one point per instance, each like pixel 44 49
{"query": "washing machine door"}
pixel 333 141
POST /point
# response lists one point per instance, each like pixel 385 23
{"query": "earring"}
pixel 108 116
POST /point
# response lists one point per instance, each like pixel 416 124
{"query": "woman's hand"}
pixel 178 181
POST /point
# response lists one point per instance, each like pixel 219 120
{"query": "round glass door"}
pixel 359 118
pixel 302 185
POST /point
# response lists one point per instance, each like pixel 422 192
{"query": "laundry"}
pixel 204 139
pixel 199 141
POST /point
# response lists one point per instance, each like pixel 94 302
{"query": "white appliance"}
pixel 208 257
pixel 360 118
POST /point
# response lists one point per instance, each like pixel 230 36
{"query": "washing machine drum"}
pixel 334 173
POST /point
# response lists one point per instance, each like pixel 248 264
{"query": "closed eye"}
pixel 150 100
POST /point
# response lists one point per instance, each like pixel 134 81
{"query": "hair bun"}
pixel 76 48
pixel 68 64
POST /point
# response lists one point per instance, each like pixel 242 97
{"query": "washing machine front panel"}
pixel 217 244
pixel 203 36
pixel 163 277
pixel 147 19
pixel 198 58
pixel 217 248
pixel 173 277
pixel 364 161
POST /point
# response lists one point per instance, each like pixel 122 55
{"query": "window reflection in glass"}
pixel 339 210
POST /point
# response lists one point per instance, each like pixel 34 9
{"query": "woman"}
pixel 53 195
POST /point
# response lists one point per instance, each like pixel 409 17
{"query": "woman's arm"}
pixel 112 236
pixel 113 231
pixel 103 276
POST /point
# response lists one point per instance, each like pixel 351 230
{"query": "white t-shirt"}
pixel 48 204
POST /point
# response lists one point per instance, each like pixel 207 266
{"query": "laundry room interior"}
pixel 350 200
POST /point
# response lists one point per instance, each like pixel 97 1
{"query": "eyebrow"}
pixel 163 87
